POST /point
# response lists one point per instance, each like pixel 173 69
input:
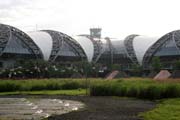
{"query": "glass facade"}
pixel 169 48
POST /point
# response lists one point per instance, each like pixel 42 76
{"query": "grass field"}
pixel 166 110
pixel 47 92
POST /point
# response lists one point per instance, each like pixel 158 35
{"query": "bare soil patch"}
pixel 105 108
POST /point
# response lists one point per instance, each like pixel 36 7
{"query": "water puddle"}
pixel 36 109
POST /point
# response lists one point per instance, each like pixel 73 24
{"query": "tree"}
pixel 177 65
pixel 156 64
pixel 116 67
pixel 136 70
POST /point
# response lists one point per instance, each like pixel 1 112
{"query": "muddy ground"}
pixel 100 108
pixel 106 108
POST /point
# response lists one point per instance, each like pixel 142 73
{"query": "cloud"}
pixel 116 17
pixel 11 10
pixel 10 4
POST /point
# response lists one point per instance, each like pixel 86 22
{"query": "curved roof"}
pixel 128 42
pixel 44 41
pixel 87 46
pixel 5 36
pixel 174 36
pixel 15 41
pixel 119 46
pixel 55 44
pixel 141 45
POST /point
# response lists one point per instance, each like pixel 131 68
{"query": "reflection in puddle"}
pixel 66 105
pixel 22 108
pixel 39 111
pixel 35 107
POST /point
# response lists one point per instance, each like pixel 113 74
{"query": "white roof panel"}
pixel 141 45
pixel 87 46
pixel 44 41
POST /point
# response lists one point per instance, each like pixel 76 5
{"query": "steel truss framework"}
pixel 4 37
pixel 128 42
pixel 108 51
pixel 58 41
pixel 175 36
pixel 6 33
pixel 111 48
pixel 98 48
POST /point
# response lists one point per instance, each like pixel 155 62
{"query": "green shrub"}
pixel 145 89
pixel 70 85
pixel 33 85
pixel 53 86
pixel 8 86
pixel 171 91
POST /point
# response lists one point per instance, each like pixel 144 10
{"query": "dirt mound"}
pixel 163 74
pixel 116 74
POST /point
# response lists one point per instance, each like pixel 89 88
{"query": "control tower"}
pixel 95 32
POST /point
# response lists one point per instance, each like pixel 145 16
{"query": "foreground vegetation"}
pixel 47 92
pixel 166 110
pixel 133 87
pixel 40 84
pixel 144 89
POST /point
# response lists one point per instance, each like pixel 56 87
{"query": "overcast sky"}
pixel 117 18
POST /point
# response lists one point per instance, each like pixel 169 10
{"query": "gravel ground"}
pixel 106 108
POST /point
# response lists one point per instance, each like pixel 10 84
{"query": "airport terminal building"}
pixel 54 46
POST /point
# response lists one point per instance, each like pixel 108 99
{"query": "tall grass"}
pixel 146 89
pixel 133 87
pixel 33 85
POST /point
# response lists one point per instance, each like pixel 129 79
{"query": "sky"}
pixel 117 18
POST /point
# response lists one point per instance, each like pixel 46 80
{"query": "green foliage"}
pixel 166 110
pixel 116 67
pixel 177 65
pixel 47 92
pixel 145 89
pixel 43 69
pixel 136 70
pixel 156 64
pixel 8 86
pixel 34 85
pixel 88 69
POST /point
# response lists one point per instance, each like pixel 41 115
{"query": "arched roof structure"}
pixel 55 44
pixel 141 45
pixel 14 41
pixel 87 45
pixel 173 36
pixel 128 42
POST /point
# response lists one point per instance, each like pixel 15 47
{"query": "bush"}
pixel 156 64
pixel 33 85
pixel 70 85
pixel 8 86
pixel 145 89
